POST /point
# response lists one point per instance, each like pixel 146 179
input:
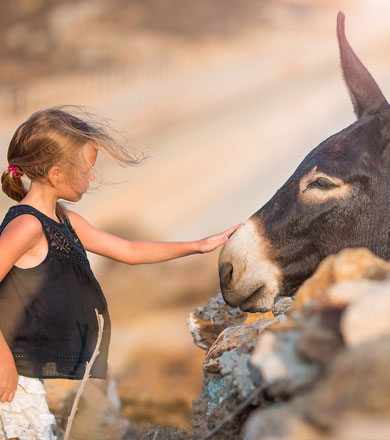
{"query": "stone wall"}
pixel 316 369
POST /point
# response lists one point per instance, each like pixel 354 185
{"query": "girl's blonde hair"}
pixel 54 137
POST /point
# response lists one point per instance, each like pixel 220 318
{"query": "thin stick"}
pixel 87 372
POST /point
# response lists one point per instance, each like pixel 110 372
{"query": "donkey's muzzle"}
pixel 225 275
pixel 248 278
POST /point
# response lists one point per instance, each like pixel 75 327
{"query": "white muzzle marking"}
pixel 253 280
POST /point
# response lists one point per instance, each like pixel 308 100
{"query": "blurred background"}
pixel 226 97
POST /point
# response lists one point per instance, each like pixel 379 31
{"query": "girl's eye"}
pixel 322 183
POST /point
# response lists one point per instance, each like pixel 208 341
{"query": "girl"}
pixel 48 292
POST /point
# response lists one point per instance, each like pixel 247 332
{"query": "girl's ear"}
pixel 54 175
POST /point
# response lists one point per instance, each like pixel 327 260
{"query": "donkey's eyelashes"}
pixel 322 183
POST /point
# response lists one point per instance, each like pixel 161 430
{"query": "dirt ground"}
pixel 225 122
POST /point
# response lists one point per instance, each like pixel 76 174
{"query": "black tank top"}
pixel 47 312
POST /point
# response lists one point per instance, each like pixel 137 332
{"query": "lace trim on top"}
pixel 61 237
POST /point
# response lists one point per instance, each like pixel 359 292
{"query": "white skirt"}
pixel 27 417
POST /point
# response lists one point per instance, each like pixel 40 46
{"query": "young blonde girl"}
pixel 48 292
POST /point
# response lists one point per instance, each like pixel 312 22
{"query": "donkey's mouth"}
pixel 258 301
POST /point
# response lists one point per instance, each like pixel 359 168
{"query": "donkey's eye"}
pixel 317 187
pixel 322 183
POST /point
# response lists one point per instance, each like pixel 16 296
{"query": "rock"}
pixel 228 380
pixel 281 422
pixel 320 338
pixel 318 343
pixel 368 318
pixel 351 402
pixel 207 322
pixel 217 404
pixel 218 392
pixel 358 383
pixel 242 338
pixel 225 413
pixel 282 304
pixel 349 264
pixel 238 375
pixel 281 369
pixel 96 417
pixel 346 292
pixel 198 416
pixel 285 324
pixel 284 422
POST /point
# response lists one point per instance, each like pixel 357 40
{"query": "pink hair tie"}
pixel 16 171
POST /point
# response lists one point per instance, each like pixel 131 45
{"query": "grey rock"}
pixel 282 304
pixel 241 338
pixel 205 323
pixel 318 342
pixel 237 374
pixel 218 392
pixel 280 422
pixel 283 371
pixel 358 382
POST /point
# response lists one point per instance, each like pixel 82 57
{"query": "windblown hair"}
pixel 56 137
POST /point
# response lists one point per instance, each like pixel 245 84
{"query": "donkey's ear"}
pixel 367 98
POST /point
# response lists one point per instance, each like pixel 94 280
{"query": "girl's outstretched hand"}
pixel 208 244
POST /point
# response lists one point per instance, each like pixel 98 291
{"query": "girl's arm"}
pixel 8 373
pixel 137 252
pixel 18 237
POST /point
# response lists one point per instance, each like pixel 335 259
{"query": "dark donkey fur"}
pixel 337 198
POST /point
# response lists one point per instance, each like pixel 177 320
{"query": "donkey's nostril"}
pixel 226 273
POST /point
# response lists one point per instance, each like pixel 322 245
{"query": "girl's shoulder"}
pixel 24 228
pixel 22 215
pixel 23 221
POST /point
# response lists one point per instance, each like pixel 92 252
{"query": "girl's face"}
pixel 76 181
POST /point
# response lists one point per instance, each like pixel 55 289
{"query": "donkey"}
pixel 337 198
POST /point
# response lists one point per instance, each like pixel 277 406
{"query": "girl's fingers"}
pixel 226 234
pixel 214 241
pixel 220 241
pixel 230 231
pixel 7 394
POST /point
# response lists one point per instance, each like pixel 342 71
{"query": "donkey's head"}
pixel 337 198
